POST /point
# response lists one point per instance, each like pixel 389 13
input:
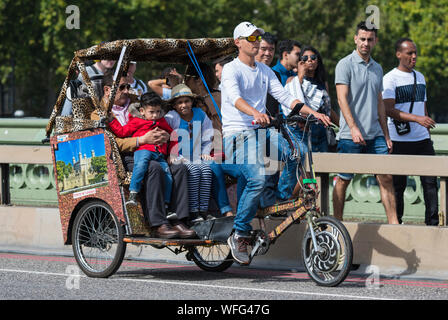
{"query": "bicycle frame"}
pixel 305 205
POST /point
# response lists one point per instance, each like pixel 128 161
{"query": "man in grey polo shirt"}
pixel 363 126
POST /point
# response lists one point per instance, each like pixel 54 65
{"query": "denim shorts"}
pixel 376 146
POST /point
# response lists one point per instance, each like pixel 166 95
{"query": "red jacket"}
pixel 137 127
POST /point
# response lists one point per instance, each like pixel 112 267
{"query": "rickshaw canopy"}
pixel 161 50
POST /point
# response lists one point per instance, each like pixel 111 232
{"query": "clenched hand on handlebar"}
pixel 320 116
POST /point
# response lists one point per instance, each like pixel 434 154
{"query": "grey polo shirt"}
pixel 365 81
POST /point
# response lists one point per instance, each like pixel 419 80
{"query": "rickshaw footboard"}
pixel 167 242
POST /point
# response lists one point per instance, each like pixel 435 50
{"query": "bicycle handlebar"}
pixel 278 120
pixel 294 117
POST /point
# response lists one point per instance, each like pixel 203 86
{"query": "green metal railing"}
pixel 35 184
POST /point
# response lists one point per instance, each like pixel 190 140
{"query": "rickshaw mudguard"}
pixel 216 229
pixel 84 170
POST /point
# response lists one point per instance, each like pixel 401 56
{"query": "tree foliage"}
pixel 34 33
pixel 63 169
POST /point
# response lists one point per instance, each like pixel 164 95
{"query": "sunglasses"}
pixel 251 38
pixel 305 58
pixel 124 86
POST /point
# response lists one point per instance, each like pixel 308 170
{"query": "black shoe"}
pixel 195 218
pixel 132 199
pixel 206 215
pixel 238 247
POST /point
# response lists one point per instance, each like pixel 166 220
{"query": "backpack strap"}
pixel 414 89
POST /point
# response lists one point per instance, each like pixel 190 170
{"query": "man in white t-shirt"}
pixel 245 84
pixel 405 88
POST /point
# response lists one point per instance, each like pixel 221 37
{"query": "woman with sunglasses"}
pixel 310 86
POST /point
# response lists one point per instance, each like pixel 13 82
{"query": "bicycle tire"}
pixel 331 267
pixel 214 258
pixel 97 240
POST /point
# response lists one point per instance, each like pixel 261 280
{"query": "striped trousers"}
pixel 199 186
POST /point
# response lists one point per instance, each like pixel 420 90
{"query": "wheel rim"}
pixel 328 260
pixel 330 265
pixel 212 256
pixel 97 239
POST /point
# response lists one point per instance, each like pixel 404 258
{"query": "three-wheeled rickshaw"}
pixel 93 185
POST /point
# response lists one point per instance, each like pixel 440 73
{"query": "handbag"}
pixel 331 137
pixel 403 127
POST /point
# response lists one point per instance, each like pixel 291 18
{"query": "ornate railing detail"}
pixel 32 184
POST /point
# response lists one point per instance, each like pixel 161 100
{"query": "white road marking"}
pixel 206 285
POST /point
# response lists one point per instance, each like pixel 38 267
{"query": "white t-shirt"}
pixel 295 89
pixel 166 93
pixel 398 85
pixel 239 80
pixel 139 87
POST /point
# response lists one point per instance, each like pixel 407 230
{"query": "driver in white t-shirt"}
pixel 244 86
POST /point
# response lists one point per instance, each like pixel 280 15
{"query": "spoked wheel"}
pixel 212 258
pixel 330 266
pixel 97 240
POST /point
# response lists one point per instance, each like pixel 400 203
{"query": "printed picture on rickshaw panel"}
pixel 81 164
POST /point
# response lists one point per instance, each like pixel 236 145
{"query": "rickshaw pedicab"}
pixel 93 186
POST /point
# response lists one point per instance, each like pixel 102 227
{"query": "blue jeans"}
pixel 245 153
pixel 319 142
pixel 219 190
pixel 288 178
pixel 141 162
pixel 377 145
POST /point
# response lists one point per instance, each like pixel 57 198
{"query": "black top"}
pixel 272 105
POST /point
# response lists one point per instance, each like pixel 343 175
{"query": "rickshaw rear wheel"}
pixel 214 258
pixel 97 240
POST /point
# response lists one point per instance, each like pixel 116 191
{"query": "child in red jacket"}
pixel 151 111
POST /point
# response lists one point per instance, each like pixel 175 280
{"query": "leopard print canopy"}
pixel 162 50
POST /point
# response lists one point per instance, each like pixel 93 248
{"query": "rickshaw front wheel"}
pixel 97 240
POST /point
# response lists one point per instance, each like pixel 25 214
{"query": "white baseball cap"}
pixel 245 29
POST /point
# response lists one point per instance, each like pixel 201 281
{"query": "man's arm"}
pixel 122 131
pixel 261 118
pixel 396 114
pixel 285 98
pixel 230 84
pixel 156 136
pixel 157 86
pixel 307 110
pixel 342 94
pixel 383 120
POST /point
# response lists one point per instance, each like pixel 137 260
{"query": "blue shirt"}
pixel 284 73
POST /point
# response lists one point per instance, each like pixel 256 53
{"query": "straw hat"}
pixel 181 90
